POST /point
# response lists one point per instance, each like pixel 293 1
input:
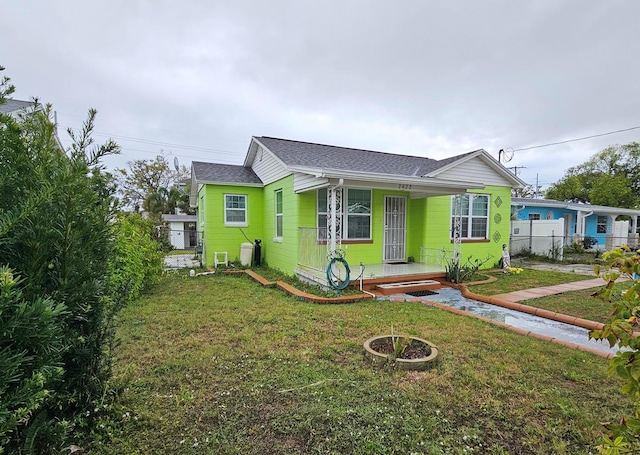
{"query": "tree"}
pixel 625 320
pixel 68 264
pixel 152 186
pixel 528 191
pixel 611 177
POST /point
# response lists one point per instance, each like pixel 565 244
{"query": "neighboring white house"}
pixel 183 233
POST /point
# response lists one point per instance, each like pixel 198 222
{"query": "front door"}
pixel 395 228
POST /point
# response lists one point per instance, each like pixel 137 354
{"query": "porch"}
pixel 314 257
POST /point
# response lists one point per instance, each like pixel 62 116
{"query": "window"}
pixel 602 224
pixel 278 214
pixel 235 210
pixel 535 216
pixel 356 214
pixel 474 214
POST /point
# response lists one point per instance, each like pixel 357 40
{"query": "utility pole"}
pixel 515 169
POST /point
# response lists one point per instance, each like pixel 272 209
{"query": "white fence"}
pixel 541 237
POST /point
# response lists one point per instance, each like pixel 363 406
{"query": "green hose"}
pixel 333 280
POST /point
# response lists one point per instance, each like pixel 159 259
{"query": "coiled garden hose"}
pixel 334 281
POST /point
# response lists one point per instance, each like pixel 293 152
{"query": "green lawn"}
pixel 575 303
pixel 580 303
pixel 529 278
pixel 220 365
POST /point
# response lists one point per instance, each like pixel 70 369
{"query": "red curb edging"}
pixel 519 330
pixel 286 287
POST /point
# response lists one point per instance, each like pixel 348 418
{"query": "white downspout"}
pixel 582 216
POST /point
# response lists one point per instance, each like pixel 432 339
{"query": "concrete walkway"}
pixel 535 293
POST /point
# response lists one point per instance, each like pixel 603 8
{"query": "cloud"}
pixel 430 78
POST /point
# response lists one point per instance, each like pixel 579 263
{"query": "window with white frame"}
pixel 474 216
pixel 358 215
pixel 235 210
pixel 279 212
pixel 355 214
pixel 535 216
pixel 601 228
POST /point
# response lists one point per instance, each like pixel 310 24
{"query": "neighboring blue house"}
pixel 609 226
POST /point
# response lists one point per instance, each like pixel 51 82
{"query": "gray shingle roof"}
pixel 11 105
pixel 306 154
pixel 224 173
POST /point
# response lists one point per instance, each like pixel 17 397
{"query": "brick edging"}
pixel 286 287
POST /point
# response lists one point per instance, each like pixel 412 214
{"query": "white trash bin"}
pixel 246 251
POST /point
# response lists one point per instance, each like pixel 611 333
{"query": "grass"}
pixel 574 303
pixel 529 278
pixel 176 252
pixel 580 303
pixel 220 365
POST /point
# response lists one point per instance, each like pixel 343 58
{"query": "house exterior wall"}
pixel 217 236
pixel 475 170
pixel 591 229
pixel 281 253
pixel 437 226
pixel 267 166
pixel 428 224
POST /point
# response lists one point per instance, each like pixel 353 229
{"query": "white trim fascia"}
pixel 425 182
pixel 604 209
pixel 252 153
pixel 487 158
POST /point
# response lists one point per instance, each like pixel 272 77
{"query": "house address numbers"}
pixel 404 186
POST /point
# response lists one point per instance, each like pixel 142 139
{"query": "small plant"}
pixel 574 248
pixel 555 253
pixel 515 270
pixel 459 273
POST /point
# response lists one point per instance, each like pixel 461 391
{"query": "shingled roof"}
pixel 11 105
pixel 224 173
pixel 307 154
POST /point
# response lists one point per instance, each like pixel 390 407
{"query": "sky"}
pixel 194 80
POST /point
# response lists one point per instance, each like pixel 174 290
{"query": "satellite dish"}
pixel 505 155
pixel 176 164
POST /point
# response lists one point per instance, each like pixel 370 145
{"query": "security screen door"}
pixel 395 228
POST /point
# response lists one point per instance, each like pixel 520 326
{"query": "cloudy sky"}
pixel 196 79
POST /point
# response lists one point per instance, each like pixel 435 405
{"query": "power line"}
pixel 578 139
pixel 151 142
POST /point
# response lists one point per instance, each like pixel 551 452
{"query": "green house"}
pixel 393 214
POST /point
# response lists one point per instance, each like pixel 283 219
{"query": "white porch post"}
pixel 457 227
pixel 334 220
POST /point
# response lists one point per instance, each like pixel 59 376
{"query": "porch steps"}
pixel 407 286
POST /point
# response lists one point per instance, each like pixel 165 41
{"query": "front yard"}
pixel 220 365
pixel 577 303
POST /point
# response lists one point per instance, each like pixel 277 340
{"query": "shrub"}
pixel 30 354
pixel 459 273
pixel 137 260
pixel 625 320
pixel 79 264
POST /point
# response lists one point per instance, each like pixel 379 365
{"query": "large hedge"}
pixel 69 264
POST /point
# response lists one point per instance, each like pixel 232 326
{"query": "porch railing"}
pixel 435 256
pixel 312 251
